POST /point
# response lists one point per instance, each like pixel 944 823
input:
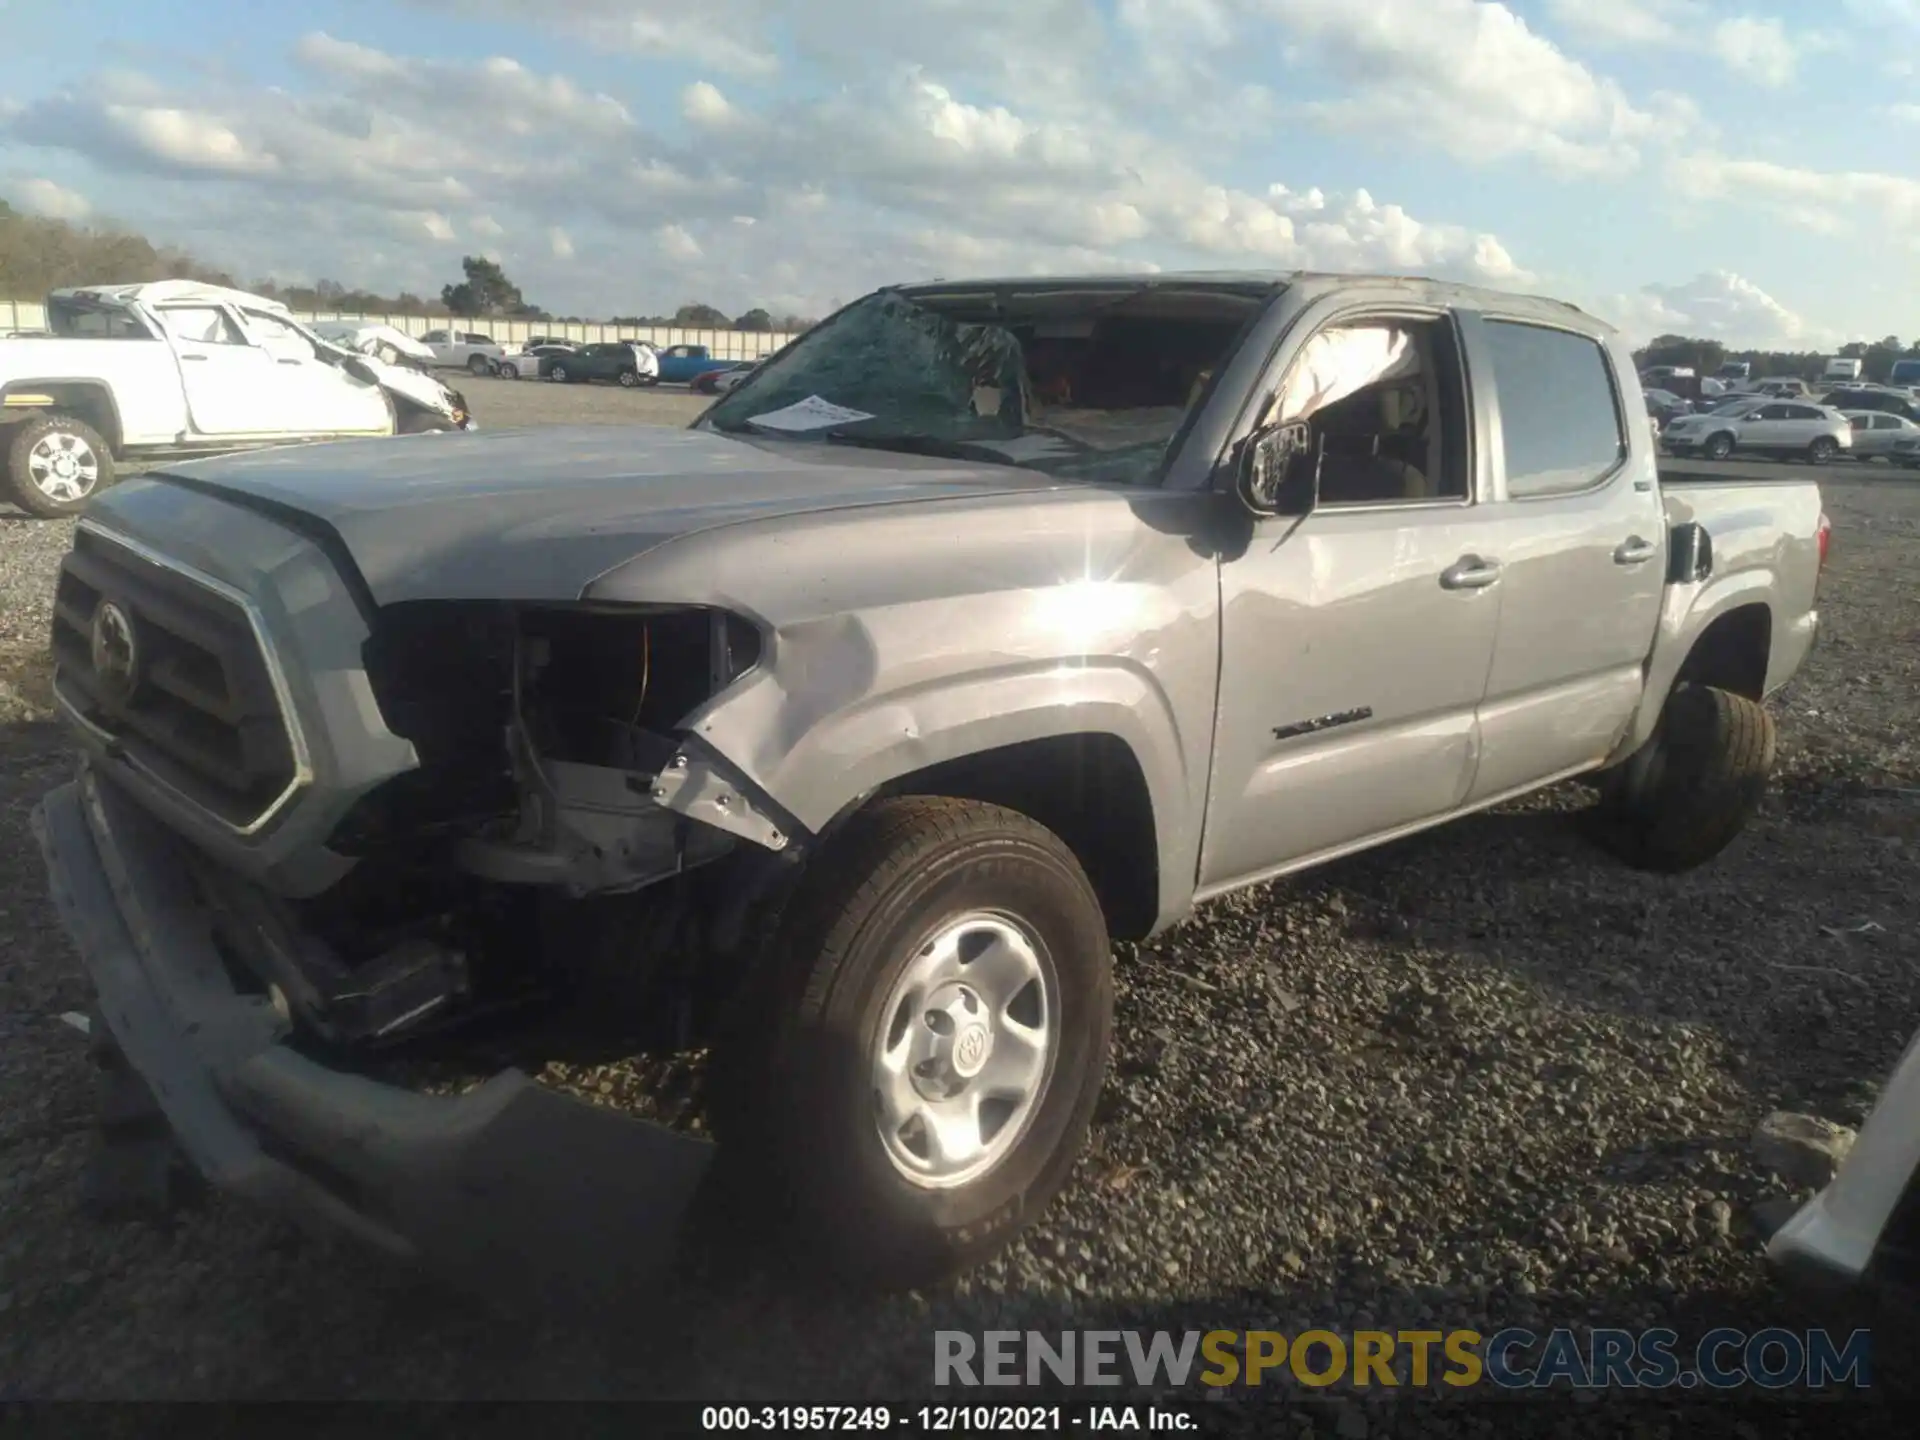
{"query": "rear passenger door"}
pixel 1580 536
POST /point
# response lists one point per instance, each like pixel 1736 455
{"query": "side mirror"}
pixel 1279 473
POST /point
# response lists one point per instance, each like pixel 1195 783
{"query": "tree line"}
pixel 38 254
pixel 1707 356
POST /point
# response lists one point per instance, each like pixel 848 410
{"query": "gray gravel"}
pixel 1482 1077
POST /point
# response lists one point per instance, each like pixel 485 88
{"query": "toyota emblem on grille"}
pixel 115 653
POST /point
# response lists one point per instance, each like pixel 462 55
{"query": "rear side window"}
pixel 1559 417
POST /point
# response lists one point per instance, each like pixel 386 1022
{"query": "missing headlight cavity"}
pixel 495 698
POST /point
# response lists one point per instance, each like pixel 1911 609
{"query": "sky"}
pixel 1747 170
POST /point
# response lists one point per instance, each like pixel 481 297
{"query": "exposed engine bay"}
pixel 547 844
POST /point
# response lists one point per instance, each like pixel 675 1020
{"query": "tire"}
pixel 558 374
pixel 420 422
pixel 509 371
pixel 1718 447
pixel 1822 450
pixel 479 365
pixel 796 1092
pixel 1693 787
pixel 55 465
pixel 628 379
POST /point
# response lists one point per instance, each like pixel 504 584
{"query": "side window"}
pixel 434 337
pixel 1886 422
pixel 200 325
pixel 1803 412
pixel 1559 418
pixel 1384 409
pixel 278 337
pixel 477 339
pixel 1774 412
pixel 1860 422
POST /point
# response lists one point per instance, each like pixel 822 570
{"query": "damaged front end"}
pixel 564 874
pixel 548 840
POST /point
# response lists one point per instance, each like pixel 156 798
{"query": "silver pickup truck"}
pixel 841 733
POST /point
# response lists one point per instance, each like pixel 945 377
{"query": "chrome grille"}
pixel 168 667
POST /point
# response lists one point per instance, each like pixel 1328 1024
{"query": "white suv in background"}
pixel 465 350
pixel 1762 426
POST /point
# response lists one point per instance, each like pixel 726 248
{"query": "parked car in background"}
pixel 146 372
pixel 615 360
pixel 682 364
pixel 1659 375
pixel 1841 368
pixel 1873 397
pixel 1765 427
pixel 719 382
pixel 465 350
pixel 535 361
pixel 1877 435
pixel 1664 405
pixel 1734 370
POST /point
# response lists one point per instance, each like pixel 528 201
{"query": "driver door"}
pixel 1356 640
pixel 314 396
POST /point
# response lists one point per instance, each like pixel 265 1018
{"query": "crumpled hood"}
pixel 538 514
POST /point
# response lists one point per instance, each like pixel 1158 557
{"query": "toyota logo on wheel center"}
pixel 115 652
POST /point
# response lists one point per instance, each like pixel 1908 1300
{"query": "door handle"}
pixel 1470 572
pixel 1635 551
pixel 193 357
pixel 289 362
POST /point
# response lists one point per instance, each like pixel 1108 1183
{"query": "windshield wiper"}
pixel 936 445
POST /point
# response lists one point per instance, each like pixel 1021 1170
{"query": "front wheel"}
pixel 628 379
pixel 918 1054
pixel 1691 789
pixel 558 374
pixel 1822 450
pixel 55 464
pixel 1718 447
pixel 509 371
pixel 479 365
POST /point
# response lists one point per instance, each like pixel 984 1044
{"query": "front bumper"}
pixel 508 1187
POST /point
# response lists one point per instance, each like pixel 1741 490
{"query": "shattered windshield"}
pixel 1094 394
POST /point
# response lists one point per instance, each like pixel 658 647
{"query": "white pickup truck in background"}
pixel 178 368
pixel 466 350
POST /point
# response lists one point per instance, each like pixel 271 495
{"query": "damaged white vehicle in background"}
pixel 135 372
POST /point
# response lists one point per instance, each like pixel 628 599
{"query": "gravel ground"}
pixel 1478 1078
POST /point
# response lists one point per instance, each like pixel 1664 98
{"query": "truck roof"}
pixel 1256 282
pixel 166 292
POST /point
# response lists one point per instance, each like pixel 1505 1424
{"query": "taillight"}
pixel 1825 536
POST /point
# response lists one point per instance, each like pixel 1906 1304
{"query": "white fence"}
pixel 723 344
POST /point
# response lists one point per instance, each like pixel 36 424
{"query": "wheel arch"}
pixel 86 399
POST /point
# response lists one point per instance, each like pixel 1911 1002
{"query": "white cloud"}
pixel 39 196
pixel 1826 202
pixel 1759 49
pixel 703 104
pixel 676 244
pixel 1472 78
pixel 1905 113
pixel 1716 305
pixel 1619 22
pixel 372 163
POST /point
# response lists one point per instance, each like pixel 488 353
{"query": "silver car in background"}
pixel 1779 428
pixel 1878 435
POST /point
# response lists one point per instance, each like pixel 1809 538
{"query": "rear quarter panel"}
pixel 141 375
pixel 1766 551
